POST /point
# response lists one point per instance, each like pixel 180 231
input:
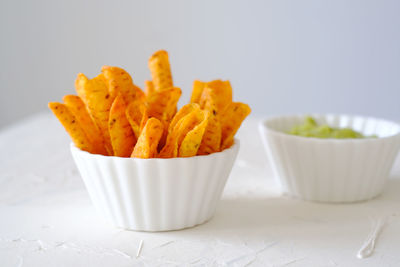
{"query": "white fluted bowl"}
pixel 155 194
pixel 331 170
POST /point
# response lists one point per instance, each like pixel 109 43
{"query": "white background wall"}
pixel 281 56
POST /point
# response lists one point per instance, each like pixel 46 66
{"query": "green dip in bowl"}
pixel 310 128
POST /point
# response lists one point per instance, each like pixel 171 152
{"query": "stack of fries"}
pixel 112 116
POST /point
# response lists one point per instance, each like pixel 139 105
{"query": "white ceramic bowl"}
pixel 155 194
pixel 331 170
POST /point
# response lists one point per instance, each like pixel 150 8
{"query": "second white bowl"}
pixel 155 194
pixel 331 170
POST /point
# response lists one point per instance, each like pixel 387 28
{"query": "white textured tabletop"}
pixel 47 219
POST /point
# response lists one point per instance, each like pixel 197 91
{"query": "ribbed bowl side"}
pixel 91 177
pixel 156 194
pixel 332 170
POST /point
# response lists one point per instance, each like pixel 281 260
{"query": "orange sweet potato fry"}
pixel 97 98
pixel 78 109
pixel 231 120
pixel 208 99
pixel 162 104
pixel 148 88
pixel 160 70
pixel 182 127
pixel 211 141
pixel 198 87
pixel 146 146
pixel 72 126
pixel 186 109
pixel 219 91
pixel 163 139
pixel 145 117
pixel 170 149
pixel 120 82
pixel 191 143
pixel 122 137
pixel 134 114
pixel 80 83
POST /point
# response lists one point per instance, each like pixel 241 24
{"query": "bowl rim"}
pixel 263 127
pixel 235 146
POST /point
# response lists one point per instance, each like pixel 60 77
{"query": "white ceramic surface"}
pixel 331 170
pixel 155 194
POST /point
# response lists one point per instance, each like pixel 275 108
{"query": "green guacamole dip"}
pixel 311 129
